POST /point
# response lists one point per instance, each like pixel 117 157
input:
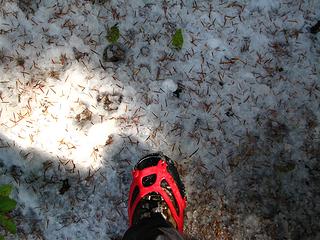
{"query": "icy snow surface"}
pixel 237 108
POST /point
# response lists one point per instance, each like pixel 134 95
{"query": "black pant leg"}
pixel 152 229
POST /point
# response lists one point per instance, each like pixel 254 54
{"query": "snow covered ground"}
pixel 237 108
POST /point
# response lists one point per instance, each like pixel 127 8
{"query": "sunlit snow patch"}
pixel 48 123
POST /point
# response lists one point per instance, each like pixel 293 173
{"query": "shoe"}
pixel 157 188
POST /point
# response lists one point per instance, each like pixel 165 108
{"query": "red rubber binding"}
pixel 138 189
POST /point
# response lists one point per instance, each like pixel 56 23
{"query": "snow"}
pixel 237 108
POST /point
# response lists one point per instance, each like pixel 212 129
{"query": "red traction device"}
pixel 156 173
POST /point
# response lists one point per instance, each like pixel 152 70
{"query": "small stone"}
pixel 177 92
pixel 65 186
pixel 316 28
pixel 113 53
pixel 229 112
pixel 145 51
pixel 169 85
pixel 152 42
pixel 20 61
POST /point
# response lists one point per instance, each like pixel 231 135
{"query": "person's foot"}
pixel 157 189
